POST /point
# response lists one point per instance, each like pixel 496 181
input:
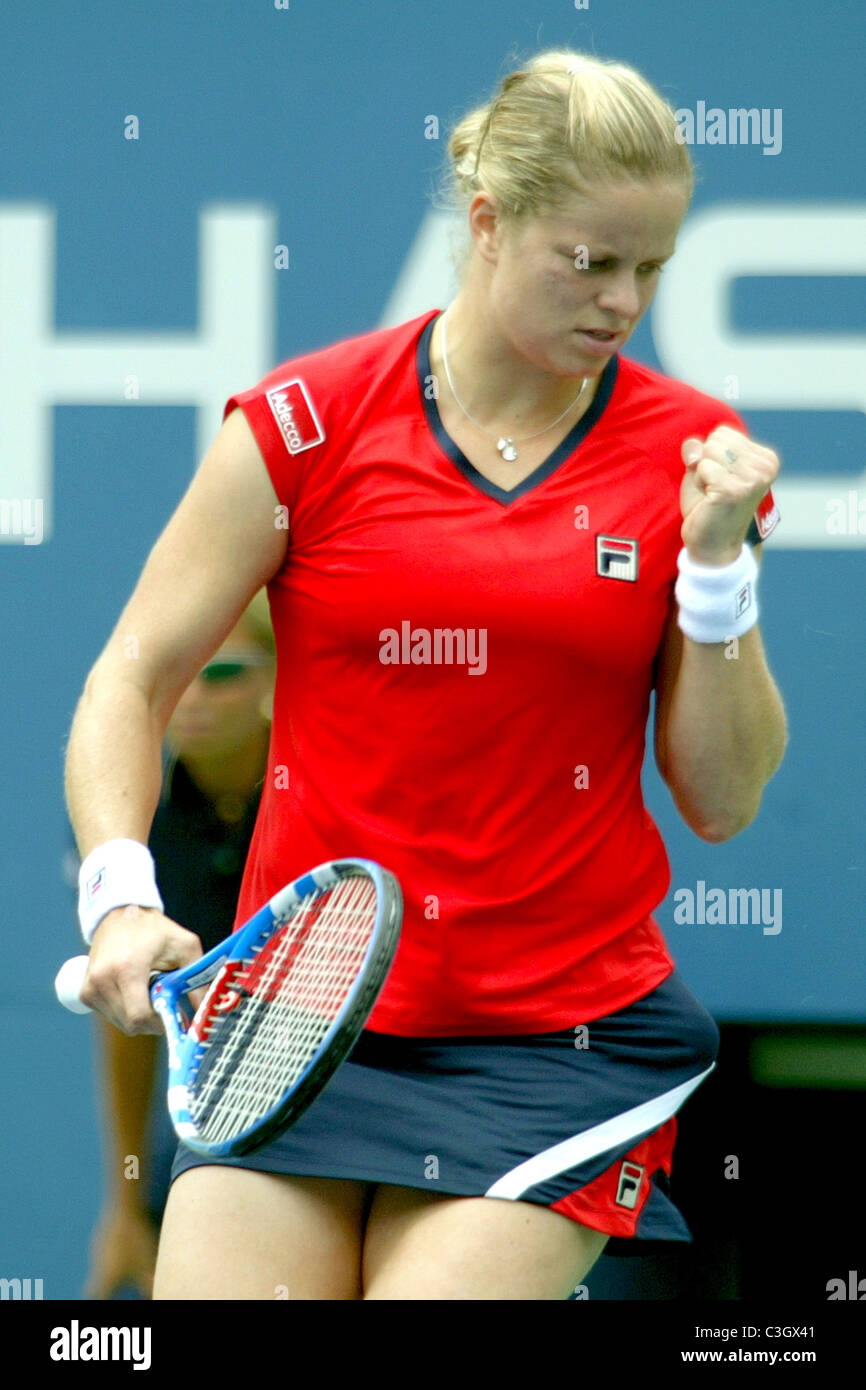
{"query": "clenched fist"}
pixel 727 475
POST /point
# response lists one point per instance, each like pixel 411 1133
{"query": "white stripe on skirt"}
pixel 642 1119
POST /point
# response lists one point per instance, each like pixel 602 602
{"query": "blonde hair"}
pixel 563 120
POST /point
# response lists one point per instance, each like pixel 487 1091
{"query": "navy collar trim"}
pixel 544 470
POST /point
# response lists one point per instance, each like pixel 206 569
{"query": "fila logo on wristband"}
pixel 743 600
pixel 119 873
pixel 94 884
pixel 717 603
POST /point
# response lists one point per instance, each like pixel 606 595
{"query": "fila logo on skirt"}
pixel 616 557
pixel 628 1188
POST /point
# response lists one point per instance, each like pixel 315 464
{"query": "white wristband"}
pixel 117 874
pixel 717 602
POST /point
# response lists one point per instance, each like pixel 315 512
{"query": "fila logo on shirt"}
pixel 296 415
pixel 616 557
pixel 628 1188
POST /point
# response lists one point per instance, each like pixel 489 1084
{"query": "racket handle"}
pixel 70 978
pixel 67 985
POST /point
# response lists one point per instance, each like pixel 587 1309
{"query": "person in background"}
pixel 214 761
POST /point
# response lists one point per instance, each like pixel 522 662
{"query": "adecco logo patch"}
pixel 296 415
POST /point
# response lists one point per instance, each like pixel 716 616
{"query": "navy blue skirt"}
pixel 580 1120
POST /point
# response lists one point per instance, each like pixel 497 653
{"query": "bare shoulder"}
pixel 223 533
pixel 220 546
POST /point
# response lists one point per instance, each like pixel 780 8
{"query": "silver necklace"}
pixel 505 444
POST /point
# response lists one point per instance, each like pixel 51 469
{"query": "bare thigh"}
pixel 426 1245
pixel 234 1233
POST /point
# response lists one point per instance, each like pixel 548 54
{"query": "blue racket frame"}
pixel 185 1049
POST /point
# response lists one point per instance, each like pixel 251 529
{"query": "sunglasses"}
pixel 230 667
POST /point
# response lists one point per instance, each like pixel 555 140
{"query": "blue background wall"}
pixel 314 118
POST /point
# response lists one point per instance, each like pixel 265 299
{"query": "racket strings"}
pixel 279 1009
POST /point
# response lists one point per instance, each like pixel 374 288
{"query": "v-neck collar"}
pixel 544 470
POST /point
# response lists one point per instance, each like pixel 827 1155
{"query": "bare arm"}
pixel 220 546
pixel 720 729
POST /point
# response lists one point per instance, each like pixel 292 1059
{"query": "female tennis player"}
pixel 487 536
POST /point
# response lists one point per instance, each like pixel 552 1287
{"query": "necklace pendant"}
pixel 507 449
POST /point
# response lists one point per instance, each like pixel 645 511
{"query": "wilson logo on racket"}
pixel 616 557
pixel 220 999
pixel 231 1001
pixel 295 415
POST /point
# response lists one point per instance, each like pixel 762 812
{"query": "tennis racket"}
pixel 289 993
